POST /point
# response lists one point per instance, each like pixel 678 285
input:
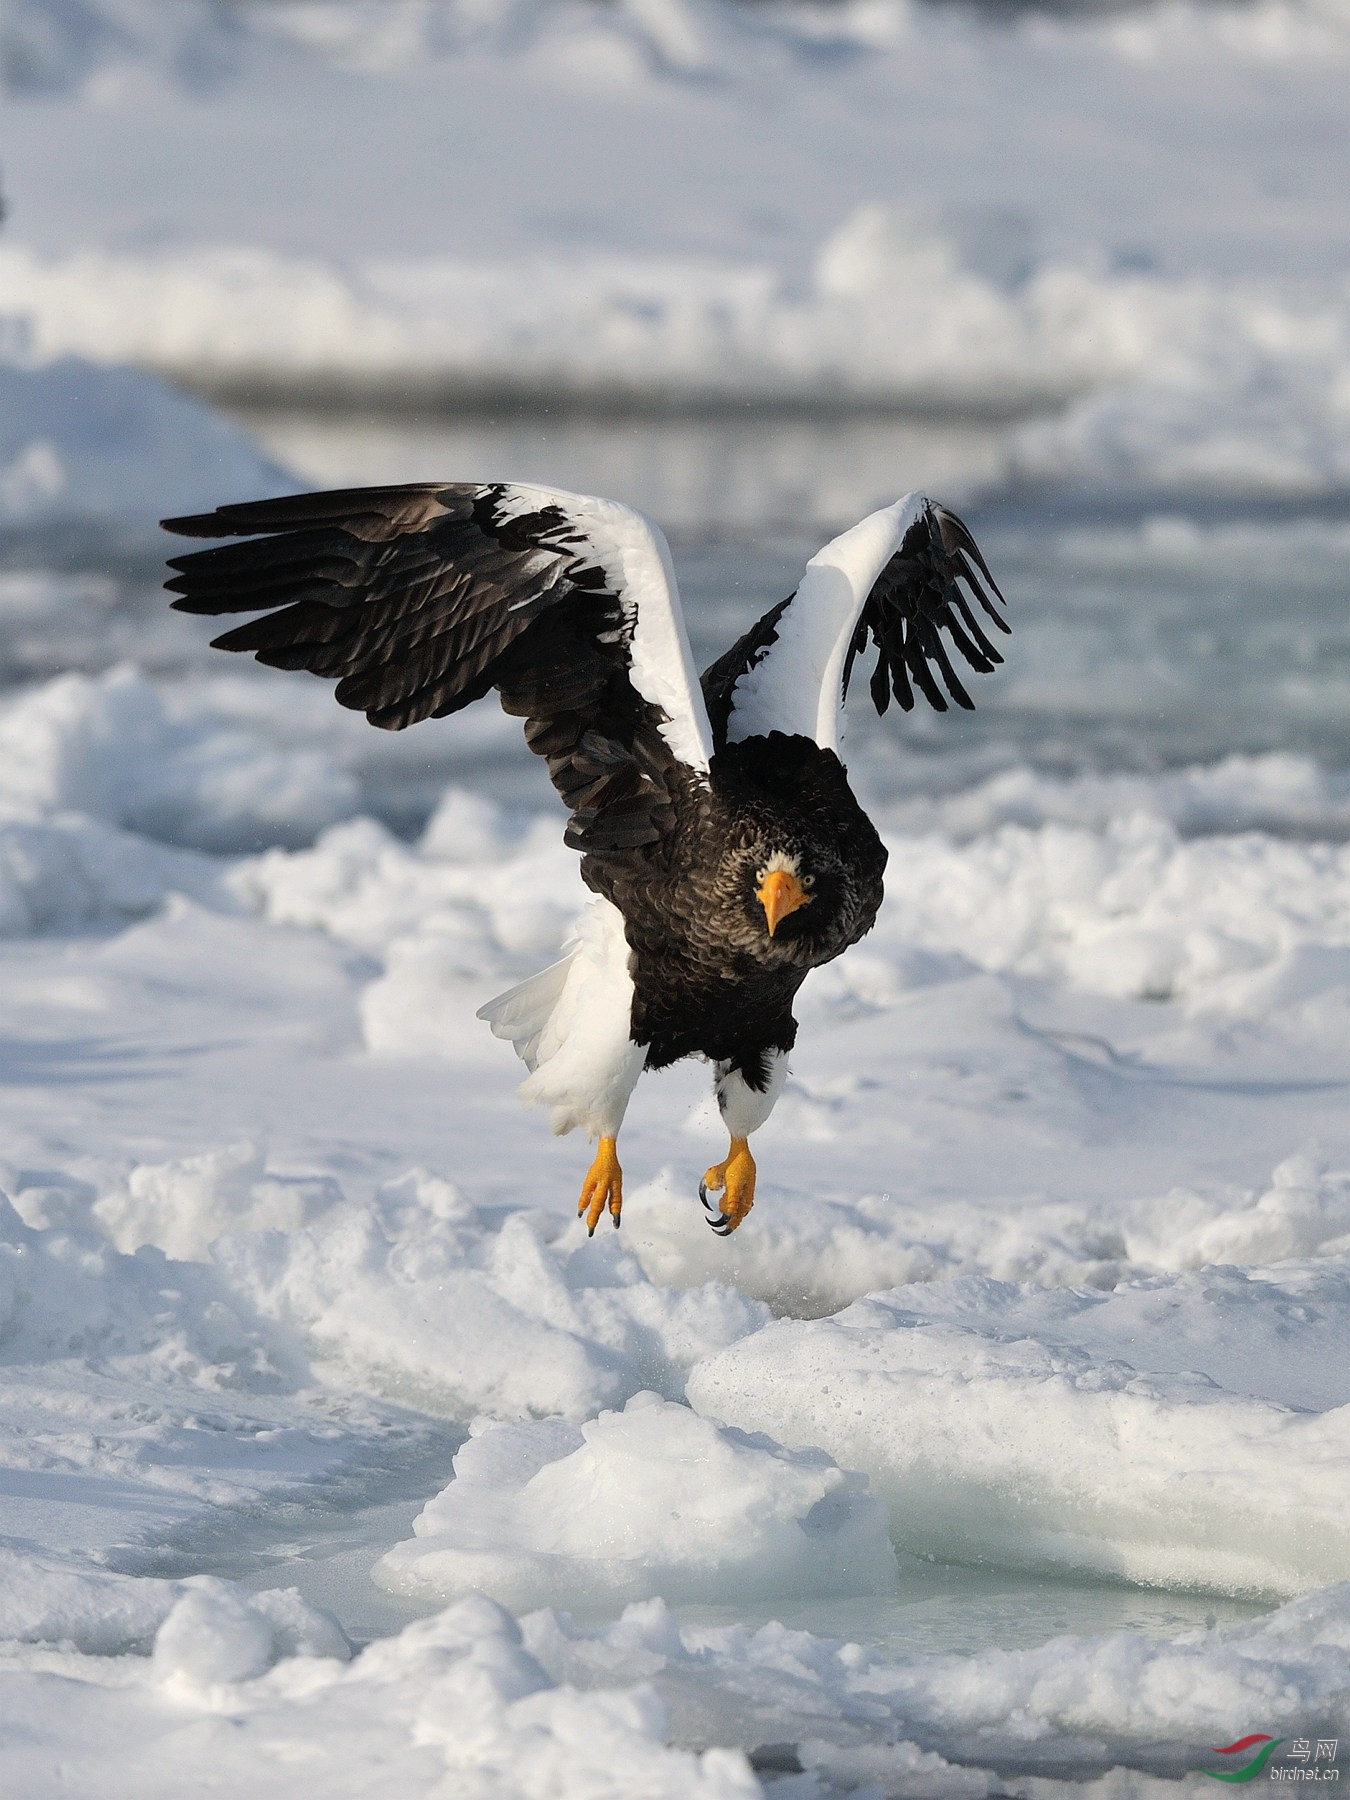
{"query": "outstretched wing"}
pixel 417 600
pixel 902 577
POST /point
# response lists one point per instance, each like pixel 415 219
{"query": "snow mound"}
pixel 480 895
pixel 1168 1435
pixel 1072 1708
pixel 141 1398
pixel 1130 910
pixel 65 1292
pixel 112 748
pixel 53 46
pixel 1120 905
pixel 66 873
pixel 1276 792
pixel 115 449
pixel 1235 403
pixel 215 1632
pixel 654 1499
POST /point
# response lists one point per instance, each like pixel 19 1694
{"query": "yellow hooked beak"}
pixel 780 893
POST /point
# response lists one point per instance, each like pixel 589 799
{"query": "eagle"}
pixel 719 836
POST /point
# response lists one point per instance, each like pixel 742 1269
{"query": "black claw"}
pixel 717 1219
pixel 591 1232
pixel 615 1218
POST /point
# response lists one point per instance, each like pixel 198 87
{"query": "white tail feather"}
pixel 522 1012
pixel 571 1025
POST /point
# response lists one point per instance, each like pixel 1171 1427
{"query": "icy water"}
pixel 328 1554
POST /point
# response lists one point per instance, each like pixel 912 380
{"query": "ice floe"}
pixel 1073 1707
pixel 652 1500
pixel 1158 1434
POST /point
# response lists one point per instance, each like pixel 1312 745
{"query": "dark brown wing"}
pixel 917 597
pixel 418 600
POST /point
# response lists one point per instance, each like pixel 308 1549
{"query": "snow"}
pixel 1209 386
pixel 1090 1247
pixel 112 449
pixel 1071 1707
pixel 453 1704
pixel 652 1500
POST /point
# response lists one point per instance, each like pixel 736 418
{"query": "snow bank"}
pixel 67 873
pixel 484 892
pixel 88 447
pixel 452 1704
pixel 1122 906
pixel 412 1293
pixel 200 1626
pixel 1277 792
pixel 1209 387
pixel 1229 387
pixel 94 770
pixel 677 274
pixel 812 1253
pixel 1071 1708
pixel 553 1708
pixel 64 1292
pixel 633 45
pixel 651 1500
pixel 142 1400
pixel 1171 1434
pixel 1260 407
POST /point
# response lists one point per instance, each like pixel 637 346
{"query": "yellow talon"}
pixel 602 1187
pixel 735 1180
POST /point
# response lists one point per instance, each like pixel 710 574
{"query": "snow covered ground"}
pixel 1006 1446
pixel 1065 1142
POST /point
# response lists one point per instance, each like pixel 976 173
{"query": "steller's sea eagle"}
pixel 715 820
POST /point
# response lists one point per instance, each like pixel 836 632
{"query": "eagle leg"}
pixel 734 1179
pixel 603 1187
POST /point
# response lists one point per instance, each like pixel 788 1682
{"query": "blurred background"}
pixel 756 267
